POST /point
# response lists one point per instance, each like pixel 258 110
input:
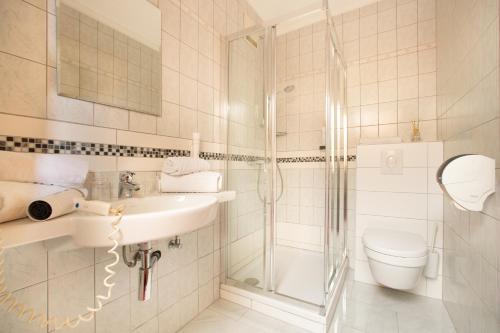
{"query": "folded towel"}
pixel 199 182
pixel 16 197
pixel 179 166
pixel 43 169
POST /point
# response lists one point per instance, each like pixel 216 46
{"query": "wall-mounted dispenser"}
pixel 468 180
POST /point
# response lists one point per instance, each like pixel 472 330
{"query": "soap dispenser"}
pixel 415 131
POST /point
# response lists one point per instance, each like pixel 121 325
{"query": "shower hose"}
pixel 32 316
pixel 261 197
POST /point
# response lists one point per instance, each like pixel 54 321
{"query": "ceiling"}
pixel 277 11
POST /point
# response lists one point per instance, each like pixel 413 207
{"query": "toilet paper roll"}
pixel 55 205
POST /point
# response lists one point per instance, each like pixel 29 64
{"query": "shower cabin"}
pixel 285 243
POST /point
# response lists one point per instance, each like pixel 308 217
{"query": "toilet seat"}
pixel 396 248
pixel 396 261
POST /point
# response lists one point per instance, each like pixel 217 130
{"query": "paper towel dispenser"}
pixel 468 180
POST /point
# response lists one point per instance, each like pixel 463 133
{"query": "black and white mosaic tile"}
pixel 50 146
pixel 306 159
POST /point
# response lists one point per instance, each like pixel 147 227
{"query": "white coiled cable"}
pixel 28 314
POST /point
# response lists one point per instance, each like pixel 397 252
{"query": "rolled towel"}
pixel 199 182
pixel 43 169
pixel 179 166
pixel 16 197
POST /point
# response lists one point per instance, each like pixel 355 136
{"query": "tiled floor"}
pixel 363 308
pixel 227 317
pixel 371 309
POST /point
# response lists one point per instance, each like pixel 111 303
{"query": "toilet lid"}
pixel 395 243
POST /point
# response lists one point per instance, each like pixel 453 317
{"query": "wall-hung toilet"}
pixel 396 258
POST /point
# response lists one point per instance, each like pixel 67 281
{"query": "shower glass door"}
pixel 246 172
pixel 286 148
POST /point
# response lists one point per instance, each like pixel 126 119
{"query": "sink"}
pixel 146 219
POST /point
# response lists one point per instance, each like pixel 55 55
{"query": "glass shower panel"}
pixel 332 164
pixel 300 122
pixel 246 137
pixel 286 231
pixel 338 162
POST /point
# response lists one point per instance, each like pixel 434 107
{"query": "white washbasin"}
pixel 162 216
pixel 146 219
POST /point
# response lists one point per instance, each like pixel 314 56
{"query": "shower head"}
pixel 289 89
pixel 250 40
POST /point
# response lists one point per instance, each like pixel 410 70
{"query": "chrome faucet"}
pixel 127 185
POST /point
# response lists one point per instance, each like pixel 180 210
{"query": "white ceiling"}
pixel 276 11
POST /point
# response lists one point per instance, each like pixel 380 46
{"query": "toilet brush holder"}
pixel 431 269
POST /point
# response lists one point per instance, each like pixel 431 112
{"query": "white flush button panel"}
pixel 391 162
pixel 468 179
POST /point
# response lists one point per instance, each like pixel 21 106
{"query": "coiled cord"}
pixel 28 314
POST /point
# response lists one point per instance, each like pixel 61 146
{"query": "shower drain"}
pixel 252 281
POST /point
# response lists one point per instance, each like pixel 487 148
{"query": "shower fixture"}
pixel 251 41
pixel 260 164
pixel 289 88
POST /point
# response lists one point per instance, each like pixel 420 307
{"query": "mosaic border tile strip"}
pixel 306 159
pixel 50 146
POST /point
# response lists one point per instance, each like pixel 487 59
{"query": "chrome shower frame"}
pixel 334 276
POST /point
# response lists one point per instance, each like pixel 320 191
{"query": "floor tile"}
pixel 362 308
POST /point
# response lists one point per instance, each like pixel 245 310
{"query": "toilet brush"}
pixel 431 270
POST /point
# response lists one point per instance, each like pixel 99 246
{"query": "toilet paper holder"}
pixel 468 180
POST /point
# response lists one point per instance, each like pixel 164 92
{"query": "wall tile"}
pixel 114 317
pixel 23 87
pixel 61 263
pixel 387 20
pixel 141 122
pixel 25 266
pixel 150 326
pixel 170 51
pixel 407 36
pixel 70 293
pixel 407 13
pixel 23 40
pixel 108 116
pixel 35 296
pixel 412 180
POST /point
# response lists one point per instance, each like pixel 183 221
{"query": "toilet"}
pixel 396 258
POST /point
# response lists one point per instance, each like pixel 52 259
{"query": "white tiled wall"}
pixel 411 201
pixel 300 114
pixel 301 63
pixel 194 67
pixel 301 208
pixel 390 51
pixel 468 111
pixel 246 215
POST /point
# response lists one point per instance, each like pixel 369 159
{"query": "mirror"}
pixel 468 179
pixel 109 52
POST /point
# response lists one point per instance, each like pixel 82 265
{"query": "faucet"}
pixel 127 185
